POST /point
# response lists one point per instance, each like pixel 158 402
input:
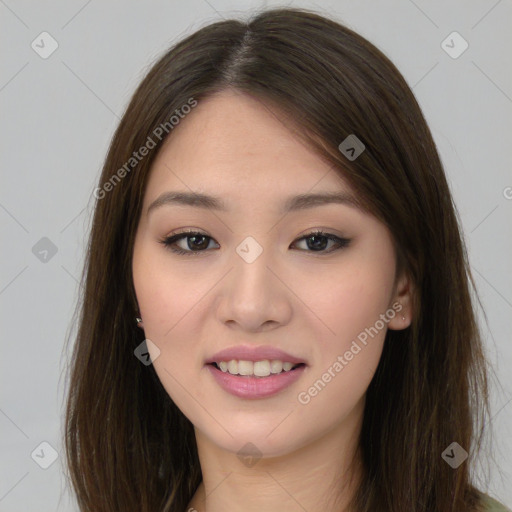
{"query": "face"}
pixel 254 276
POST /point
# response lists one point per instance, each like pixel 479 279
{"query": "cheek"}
pixel 346 360
pixel 175 307
pixel 352 298
pixel 351 307
pixel 170 306
pixel 165 294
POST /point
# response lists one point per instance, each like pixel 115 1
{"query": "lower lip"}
pixel 255 387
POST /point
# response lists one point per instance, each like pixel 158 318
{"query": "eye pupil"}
pixel 316 245
pixel 202 245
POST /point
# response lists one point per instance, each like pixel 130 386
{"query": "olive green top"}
pixel 491 505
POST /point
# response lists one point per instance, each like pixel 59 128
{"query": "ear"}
pixel 401 303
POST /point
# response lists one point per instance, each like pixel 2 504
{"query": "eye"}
pixel 195 242
pixel 318 240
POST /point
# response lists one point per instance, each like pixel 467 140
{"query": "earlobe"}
pixel 139 322
pixel 402 304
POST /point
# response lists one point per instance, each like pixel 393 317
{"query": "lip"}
pixel 250 353
pixel 255 387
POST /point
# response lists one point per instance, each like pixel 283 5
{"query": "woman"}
pixel 276 308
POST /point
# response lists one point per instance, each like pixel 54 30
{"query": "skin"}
pixel 311 304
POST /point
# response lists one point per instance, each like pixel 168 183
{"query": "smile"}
pixel 241 379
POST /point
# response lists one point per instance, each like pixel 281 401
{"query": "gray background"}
pixel 58 115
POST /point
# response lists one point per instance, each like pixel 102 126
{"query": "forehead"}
pixel 237 146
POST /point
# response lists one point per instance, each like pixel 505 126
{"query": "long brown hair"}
pixel 129 448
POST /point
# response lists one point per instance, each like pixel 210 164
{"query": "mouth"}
pixel 241 379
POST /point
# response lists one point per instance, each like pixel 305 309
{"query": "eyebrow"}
pixel 294 203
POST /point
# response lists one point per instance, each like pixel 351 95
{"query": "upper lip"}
pixel 250 353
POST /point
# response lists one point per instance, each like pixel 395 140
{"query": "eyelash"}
pixel 169 241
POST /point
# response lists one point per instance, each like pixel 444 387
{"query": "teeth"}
pixel 259 368
pixel 245 367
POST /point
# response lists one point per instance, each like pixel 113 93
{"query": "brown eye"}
pixel 318 241
pixel 193 242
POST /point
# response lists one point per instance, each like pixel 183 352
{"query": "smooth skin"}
pixel 309 302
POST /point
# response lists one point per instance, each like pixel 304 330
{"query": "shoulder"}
pixel 491 505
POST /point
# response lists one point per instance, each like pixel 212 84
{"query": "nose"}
pixel 254 296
